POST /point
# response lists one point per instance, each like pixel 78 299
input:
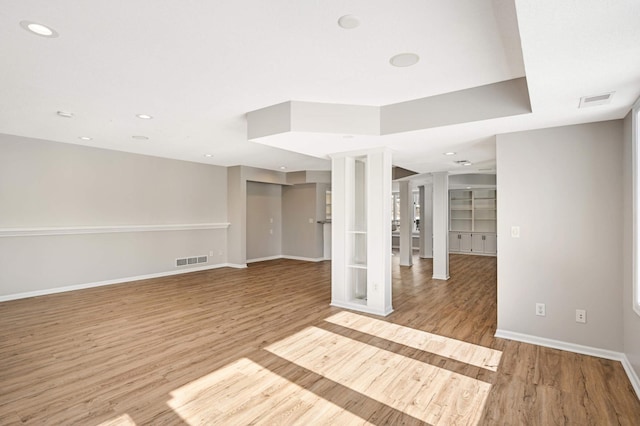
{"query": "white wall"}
pixel 48 184
pixel 631 320
pixel 563 188
pixel 264 220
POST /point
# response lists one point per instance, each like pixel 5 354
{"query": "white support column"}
pixel 440 226
pixel 426 221
pixel 406 224
pixel 361 231
pixel 379 231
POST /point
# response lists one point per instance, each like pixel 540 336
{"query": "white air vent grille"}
pixel 186 261
pixel 603 99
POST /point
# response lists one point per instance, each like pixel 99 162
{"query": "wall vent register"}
pixel 185 261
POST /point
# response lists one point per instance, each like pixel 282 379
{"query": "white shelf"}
pixel 357 266
pixel 357 232
pixel 481 203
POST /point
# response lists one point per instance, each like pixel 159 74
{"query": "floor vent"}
pixel 186 261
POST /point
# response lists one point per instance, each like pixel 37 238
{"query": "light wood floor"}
pixel 263 346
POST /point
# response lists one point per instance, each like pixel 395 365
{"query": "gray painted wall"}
pixel 631 320
pixel 237 178
pixel 302 235
pixel 264 220
pixel 49 184
pixel 562 186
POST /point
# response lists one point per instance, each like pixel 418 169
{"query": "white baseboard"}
pixel 8 297
pixel 362 308
pixel 263 259
pixel 580 349
pixel 282 256
pixel 558 344
pixel 631 373
pixel 236 265
pixel 441 277
pixel 306 259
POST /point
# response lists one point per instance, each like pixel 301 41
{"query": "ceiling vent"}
pixel 587 101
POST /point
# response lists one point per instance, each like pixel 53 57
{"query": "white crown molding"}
pixel 77 230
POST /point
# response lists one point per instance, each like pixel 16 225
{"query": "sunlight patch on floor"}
pixel 458 350
pixel 429 393
pixel 123 420
pixel 245 392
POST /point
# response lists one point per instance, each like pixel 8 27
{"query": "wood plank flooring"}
pixel 263 346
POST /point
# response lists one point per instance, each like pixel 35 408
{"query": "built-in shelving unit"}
pixel 473 221
pixel 357 234
pixel 361 241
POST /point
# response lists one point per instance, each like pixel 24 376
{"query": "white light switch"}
pixel 515 232
pixel 310 220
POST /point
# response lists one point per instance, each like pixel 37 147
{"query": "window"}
pixel 395 212
pixel 416 211
pixel 635 140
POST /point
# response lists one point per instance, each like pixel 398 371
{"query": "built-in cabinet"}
pixel 472 221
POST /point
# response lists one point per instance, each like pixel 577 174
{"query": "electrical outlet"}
pixel 541 309
pixel 211 253
pixel 310 220
pixel 581 315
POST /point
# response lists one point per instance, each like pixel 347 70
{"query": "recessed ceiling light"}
pixel 144 116
pixel 349 22
pixel 208 155
pixel 404 60
pixel 39 29
pixel 466 163
pixel 85 138
pixel 449 153
pixel 283 168
pixel 140 137
pixel 463 162
pixel 468 187
pixel 65 114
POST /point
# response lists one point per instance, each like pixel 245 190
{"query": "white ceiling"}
pixel 199 66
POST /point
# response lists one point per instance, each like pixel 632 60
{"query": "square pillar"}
pixel 361 231
pixel 441 226
pixel 426 221
pixel 406 224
